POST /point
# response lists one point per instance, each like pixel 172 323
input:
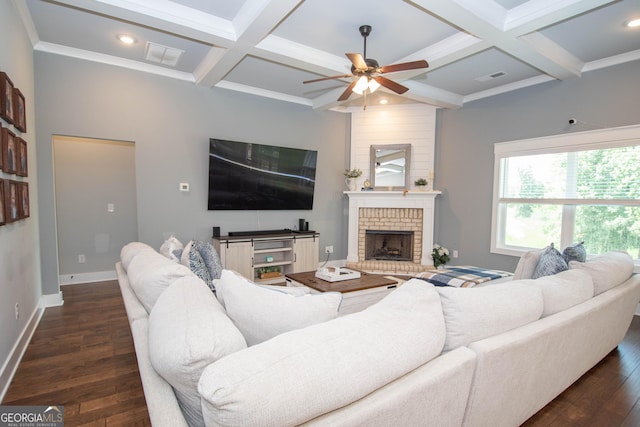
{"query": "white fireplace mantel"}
pixel 424 200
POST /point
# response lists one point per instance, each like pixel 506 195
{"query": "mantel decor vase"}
pixel 351 178
pixel 352 183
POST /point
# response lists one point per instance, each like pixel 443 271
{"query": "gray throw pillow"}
pixel 551 262
pixel 210 257
pixel 191 258
pixel 575 252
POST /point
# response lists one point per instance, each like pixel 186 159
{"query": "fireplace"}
pixel 391 211
pixel 388 245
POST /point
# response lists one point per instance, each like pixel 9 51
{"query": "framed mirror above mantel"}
pixel 390 166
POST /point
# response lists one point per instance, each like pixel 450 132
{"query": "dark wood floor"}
pixel 82 357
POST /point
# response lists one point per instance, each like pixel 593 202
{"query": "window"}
pixel 568 188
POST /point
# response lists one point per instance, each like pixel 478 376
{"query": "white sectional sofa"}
pixel 424 355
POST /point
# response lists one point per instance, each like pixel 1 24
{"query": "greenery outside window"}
pixel 568 188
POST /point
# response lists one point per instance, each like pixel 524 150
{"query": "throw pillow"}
pixel 607 270
pixel 551 262
pixel 191 258
pixel 210 257
pixel 262 313
pixel 575 252
pixel 328 365
pixel 188 331
pixel 472 314
pixel 172 248
pixel 527 265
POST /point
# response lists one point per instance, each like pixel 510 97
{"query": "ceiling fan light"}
pixel 373 85
pixel 361 86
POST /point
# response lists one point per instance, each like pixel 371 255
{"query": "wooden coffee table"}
pixel 357 294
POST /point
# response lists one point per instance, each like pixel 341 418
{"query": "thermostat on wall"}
pixel 184 187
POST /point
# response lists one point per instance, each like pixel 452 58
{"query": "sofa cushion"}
pixel 472 314
pixel 151 273
pixel 563 290
pixel 607 270
pixel 527 265
pixel 551 262
pixel 130 250
pixel 189 330
pixel 172 248
pixel 302 374
pixel 575 252
pixel 262 313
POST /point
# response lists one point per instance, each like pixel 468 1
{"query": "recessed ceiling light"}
pixel 383 101
pixel 126 39
pixel 634 23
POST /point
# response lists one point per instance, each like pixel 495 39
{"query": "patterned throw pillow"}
pixel 191 258
pixel 172 248
pixel 210 257
pixel 575 252
pixel 551 262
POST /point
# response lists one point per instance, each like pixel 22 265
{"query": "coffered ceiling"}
pixel 475 48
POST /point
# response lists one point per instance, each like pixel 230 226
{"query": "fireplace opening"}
pixel 388 245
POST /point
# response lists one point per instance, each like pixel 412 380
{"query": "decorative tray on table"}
pixel 336 274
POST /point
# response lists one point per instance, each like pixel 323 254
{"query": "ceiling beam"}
pixel 255 21
pixel 503 31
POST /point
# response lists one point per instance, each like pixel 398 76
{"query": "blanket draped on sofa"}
pixel 465 276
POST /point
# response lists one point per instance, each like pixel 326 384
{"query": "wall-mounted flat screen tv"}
pixel 246 176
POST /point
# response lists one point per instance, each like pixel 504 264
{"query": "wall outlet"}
pixel 82 259
pixel 455 253
pixel 17 311
pixel 328 249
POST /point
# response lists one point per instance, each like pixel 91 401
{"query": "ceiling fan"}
pixel 368 72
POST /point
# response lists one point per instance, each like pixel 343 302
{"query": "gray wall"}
pixel 170 123
pixel 464 148
pixel 19 248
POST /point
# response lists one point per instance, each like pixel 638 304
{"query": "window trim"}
pixel 576 141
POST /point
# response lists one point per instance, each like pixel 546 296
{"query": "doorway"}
pixel 96 208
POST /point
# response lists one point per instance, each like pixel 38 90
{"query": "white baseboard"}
pixel 96 276
pixel 11 365
pixel 53 300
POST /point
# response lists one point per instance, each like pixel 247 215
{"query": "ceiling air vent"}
pixel 490 76
pixel 162 54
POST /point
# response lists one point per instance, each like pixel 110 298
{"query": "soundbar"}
pixel 259 232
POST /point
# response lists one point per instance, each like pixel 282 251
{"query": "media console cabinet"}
pixel 267 258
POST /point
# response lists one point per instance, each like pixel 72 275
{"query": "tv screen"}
pixel 246 176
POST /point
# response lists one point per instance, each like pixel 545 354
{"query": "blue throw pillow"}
pixel 199 267
pixel 551 262
pixel 575 252
pixel 210 257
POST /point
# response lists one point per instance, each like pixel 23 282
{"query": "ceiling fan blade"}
pixel 404 66
pixel 357 60
pixel 347 91
pixel 391 85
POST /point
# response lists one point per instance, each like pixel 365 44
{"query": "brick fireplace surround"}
pixel 395 211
